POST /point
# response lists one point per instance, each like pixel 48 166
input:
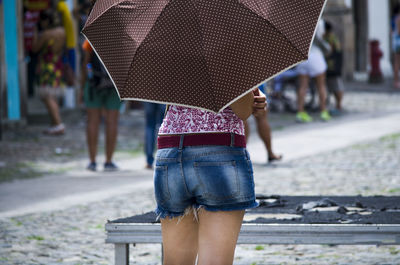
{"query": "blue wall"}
pixel 11 59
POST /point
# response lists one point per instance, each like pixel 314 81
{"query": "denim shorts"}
pixel 216 178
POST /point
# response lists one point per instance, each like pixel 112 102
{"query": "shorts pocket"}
pixel 219 180
pixel 161 188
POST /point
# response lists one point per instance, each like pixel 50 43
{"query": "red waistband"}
pixel 228 139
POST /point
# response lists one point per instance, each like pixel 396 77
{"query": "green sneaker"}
pixel 325 116
pixel 303 117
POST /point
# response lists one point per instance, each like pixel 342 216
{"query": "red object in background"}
pixel 36 5
pixel 375 75
pixel 31 19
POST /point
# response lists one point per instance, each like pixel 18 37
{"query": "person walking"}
pixel 100 98
pixel 315 68
pixel 203 181
pixel 154 116
pixel 264 132
pixel 49 44
pixel 334 71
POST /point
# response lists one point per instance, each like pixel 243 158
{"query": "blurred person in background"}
pixel 100 98
pixel 31 18
pixel 334 71
pixel 69 55
pixel 264 131
pixel 154 117
pixel 48 42
pixel 80 13
pixel 280 79
pixel 396 46
pixel 315 68
pixel 70 41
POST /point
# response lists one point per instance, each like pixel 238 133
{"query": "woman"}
pixel 100 98
pixel 204 181
pixel 315 68
pixel 49 43
pixel 334 70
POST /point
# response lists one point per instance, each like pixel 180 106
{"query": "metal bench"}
pixel 349 220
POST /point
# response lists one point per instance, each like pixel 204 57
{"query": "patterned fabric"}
pixel 31 19
pixel 181 120
pixel 50 67
pixel 201 53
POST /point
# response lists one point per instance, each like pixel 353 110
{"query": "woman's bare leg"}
pixel 92 132
pixel 264 132
pixel 339 97
pixel 301 92
pixel 53 109
pixel 321 86
pixel 180 240
pixel 218 234
pixel 112 117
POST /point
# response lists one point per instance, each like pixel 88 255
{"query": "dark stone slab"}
pixel 310 210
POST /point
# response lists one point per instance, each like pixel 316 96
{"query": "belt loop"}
pixel 232 139
pixel 181 142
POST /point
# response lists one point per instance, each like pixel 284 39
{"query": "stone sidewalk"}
pixel 74 234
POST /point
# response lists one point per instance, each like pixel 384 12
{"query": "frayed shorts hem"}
pixel 163 213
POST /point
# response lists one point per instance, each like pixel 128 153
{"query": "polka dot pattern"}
pixel 115 29
pixel 201 53
pixel 296 20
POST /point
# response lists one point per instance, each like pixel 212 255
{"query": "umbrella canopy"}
pixel 199 53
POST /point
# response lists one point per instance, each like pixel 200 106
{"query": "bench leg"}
pixel 121 254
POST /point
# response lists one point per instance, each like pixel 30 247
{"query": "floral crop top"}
pixel 182 120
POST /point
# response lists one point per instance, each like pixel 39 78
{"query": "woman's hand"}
pixel 260 103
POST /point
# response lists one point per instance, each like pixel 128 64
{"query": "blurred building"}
pixel 357 22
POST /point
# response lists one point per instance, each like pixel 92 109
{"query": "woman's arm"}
pixel 243 107
pixel 38 41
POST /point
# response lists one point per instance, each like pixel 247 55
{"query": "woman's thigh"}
pixel 218 234
pixel 180 239
pixel 93 115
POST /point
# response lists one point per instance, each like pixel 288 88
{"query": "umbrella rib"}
pixel 94 19
pixel 264 81
pixel 288 40
pixel 202 50
pixel 305 56
pixel 109 75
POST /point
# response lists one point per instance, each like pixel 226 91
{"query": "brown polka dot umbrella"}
pixel 199 53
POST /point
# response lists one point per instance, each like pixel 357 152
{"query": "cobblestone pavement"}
pixel 76 235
